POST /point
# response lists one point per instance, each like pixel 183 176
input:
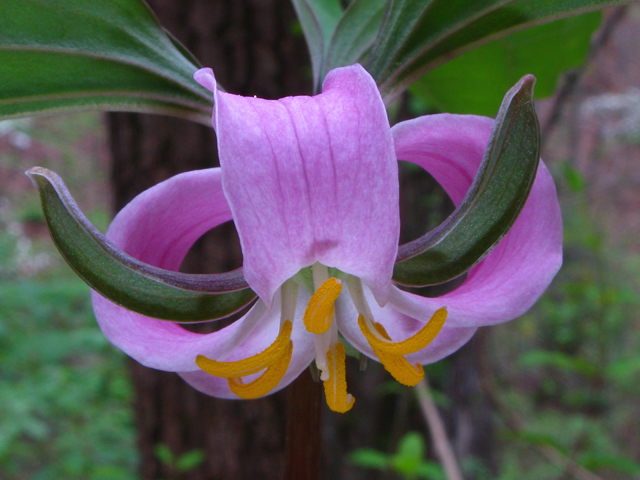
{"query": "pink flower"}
pixel 312 186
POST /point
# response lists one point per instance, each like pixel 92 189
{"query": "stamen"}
pixel 267 381
pixel 335 387
pixel 397 365
pixel 252 364
pixel 289 297
pixel 412 344
pixel 320 310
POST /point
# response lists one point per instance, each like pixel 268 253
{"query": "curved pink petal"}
pixel 509 280
pixel 158 227
pixel 311 179
pixel 399 327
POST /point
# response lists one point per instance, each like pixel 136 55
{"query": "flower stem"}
pixel 443 448
pixel 303 444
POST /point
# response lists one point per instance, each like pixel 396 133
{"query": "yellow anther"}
pixel 252 364
pixel 335 387
pixel 320 310
pixel 412 344
pixel 265 382
pixel 396 365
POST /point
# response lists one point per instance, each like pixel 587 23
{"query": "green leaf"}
pixel 544 51
pixel 126 281
pixel 369 458
pixel 164 454
pixel 614 462
pixel 492 204
pixel 409 457
pixel 318 19
pixel 416 36
pixel 573 177
pixel 355 33
pixel 190 460
pixel 61 56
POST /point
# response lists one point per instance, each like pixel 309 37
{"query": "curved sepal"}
pixel 132 284
pixel 492 204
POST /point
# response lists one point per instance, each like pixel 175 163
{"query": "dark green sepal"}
pixel 492 204
pixel 128 282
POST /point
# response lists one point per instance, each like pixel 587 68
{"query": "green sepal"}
pixel 128 282
pixel 492 204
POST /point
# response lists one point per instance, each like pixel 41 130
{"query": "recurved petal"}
pixel 518 270
pixel 311 179
pixel 158 227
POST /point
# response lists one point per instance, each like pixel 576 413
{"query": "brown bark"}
pixel 249 45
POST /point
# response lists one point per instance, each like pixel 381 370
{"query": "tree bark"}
pixel 249 45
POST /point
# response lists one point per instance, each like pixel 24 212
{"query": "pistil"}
pixel 330 353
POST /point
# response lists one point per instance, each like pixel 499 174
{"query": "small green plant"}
pixel 408 461
pixel 179 463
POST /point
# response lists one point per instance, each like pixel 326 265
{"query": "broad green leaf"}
pixel 355 33
pixel 416 36
pixel 126 281
pixel 69 55
pixel 476 81
pixel 492 204
pixel 318 19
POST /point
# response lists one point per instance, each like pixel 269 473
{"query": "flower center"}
pixel 330 353
pixel 318 319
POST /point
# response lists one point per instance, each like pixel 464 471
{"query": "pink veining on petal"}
pixel 311 179
pixel 518 270
pixel 158 227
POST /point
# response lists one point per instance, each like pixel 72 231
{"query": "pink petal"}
pixel 311 179
pixel 518 270
pixel 158 227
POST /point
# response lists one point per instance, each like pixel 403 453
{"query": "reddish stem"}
pixel 303 442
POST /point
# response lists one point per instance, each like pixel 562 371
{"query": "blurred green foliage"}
pixel 65 397
pixel 64 400
pixel 408 461
pixel 570 368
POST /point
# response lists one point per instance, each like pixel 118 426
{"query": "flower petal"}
pixel 158 227
pixel 311 179
pixel 518 270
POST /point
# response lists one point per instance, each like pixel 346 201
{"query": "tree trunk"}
pixel 249 45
